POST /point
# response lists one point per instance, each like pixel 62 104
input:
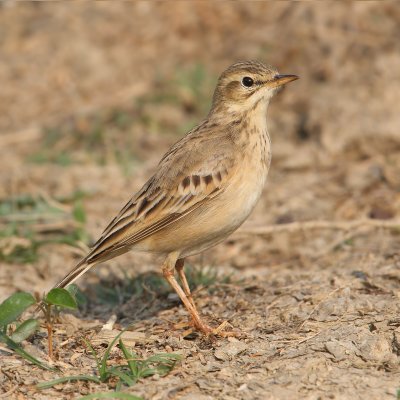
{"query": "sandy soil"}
pixel 94 93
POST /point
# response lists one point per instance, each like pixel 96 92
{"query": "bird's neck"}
pixel 243 125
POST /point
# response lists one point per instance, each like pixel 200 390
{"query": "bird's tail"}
pixel 73 275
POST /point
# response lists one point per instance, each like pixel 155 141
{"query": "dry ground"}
pixel 93 94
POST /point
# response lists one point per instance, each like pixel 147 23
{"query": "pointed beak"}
pixel 280 80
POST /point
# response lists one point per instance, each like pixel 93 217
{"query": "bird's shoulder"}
pixel 206 150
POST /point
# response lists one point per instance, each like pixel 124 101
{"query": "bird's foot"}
pixel 218 331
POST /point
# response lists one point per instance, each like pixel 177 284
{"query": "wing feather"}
pixel 154 211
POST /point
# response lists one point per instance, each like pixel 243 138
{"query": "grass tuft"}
pixel 28 222
pixel 126 374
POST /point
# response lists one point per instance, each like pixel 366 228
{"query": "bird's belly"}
pixel 212 222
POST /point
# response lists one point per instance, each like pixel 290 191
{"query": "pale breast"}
pixel 249 185
pixel 234 206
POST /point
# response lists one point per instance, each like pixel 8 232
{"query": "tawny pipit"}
pixel 205 186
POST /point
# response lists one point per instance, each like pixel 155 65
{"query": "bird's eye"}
pixel 247 81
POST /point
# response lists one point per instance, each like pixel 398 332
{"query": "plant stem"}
pixel 50 339
pixel 49 326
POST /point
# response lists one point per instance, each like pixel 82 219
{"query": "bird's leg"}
pixel 185 285
pixel 168 273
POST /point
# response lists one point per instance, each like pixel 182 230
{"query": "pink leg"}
pixel 181 273
pixel 168 272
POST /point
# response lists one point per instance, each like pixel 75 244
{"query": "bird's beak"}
pixel 280 80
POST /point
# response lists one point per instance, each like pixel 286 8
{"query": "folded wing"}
pixel 182 183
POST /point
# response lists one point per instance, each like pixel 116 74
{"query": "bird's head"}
pixel 244 85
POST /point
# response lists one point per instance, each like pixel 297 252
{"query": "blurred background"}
pixel 91 96
pixel 93 93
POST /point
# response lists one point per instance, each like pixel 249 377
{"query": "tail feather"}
pixel 88 262
pixel 73 275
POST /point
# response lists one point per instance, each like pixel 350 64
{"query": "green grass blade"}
pixel 47 385
pixel 118 386
pixel 146 372
pixel 103 367
pixel 26 329
pixel 20 351
pixel 130 358
pixel 12 307
pixel 161 364
pixel 93 351
pixel 111 395
pixel 125 378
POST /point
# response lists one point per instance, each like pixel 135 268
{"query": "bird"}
pixel 204 187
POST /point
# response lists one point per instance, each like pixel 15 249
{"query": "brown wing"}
pixel 188 176
pixel 149 212
pixel 154 209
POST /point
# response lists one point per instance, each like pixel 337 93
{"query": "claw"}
pixel 218 331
